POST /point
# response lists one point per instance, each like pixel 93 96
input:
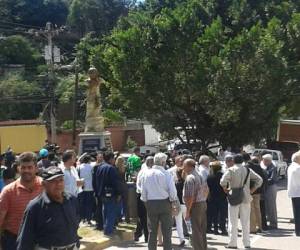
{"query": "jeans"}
pixel 99 213
pixel 110 213
pixel 8 241
pixel 87 203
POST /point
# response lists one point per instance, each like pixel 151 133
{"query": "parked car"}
pixel 288 148
pixel 278 161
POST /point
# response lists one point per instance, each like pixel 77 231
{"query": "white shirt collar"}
pixel 158 167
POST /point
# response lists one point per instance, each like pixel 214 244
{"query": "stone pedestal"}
pixel 93 141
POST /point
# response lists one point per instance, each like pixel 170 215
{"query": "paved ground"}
pixel 281 239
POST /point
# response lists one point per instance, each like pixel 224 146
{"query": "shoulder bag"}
pixel 236 195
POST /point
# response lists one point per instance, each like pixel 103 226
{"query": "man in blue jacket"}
pixel 108 189
pixel 51 220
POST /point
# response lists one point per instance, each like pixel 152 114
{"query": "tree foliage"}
pixel 99 16
pixel 34 12
pixel 18 50
pixel 211 70
pixel 12 87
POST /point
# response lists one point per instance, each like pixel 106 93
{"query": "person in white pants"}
pixel 243 210
pixel 179 227
pixel 178 218
pixel 235 177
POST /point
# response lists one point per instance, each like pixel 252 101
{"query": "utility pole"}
pixel 75 103
pixel 52 55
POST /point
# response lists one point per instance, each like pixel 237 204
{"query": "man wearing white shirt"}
pixel 158 190
pixel 294 189
pixel 86 197
pixel 203 169
pixel 72 181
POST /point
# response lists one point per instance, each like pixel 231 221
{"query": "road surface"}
pixel 281 239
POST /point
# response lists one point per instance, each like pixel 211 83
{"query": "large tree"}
pixel 33 12
pixel 20 99
pixel 98 16
pixel 18 50
pixel 211 70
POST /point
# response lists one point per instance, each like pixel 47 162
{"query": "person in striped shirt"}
pixel 15 197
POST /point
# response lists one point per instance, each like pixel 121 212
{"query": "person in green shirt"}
pixel 134 164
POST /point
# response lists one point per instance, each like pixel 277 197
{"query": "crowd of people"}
pixel 42 200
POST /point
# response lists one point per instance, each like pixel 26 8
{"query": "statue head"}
pixel 93 73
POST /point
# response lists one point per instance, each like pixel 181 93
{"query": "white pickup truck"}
pixel 278 161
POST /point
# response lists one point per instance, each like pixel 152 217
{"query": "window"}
pixel 275 156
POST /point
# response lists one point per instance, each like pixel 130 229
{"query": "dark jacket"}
pixel 258 170
pixel 271 174
pixel 216 192
pixel 179 187
pixel 47 223
pixel 94 177
pixel 107 180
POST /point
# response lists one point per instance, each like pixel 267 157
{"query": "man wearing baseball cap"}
pixel 51 220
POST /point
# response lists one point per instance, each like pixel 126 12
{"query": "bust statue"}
pixel 93 118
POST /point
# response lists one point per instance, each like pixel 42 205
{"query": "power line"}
pixel 38 101
pixel 9 26
pixel 13 31
pixel 22 96
pixel 20 24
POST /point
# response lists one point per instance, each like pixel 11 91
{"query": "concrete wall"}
pixel 119 137
pixel 22 138
pixel 152 137
pixel 64 140
pixel 138 135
